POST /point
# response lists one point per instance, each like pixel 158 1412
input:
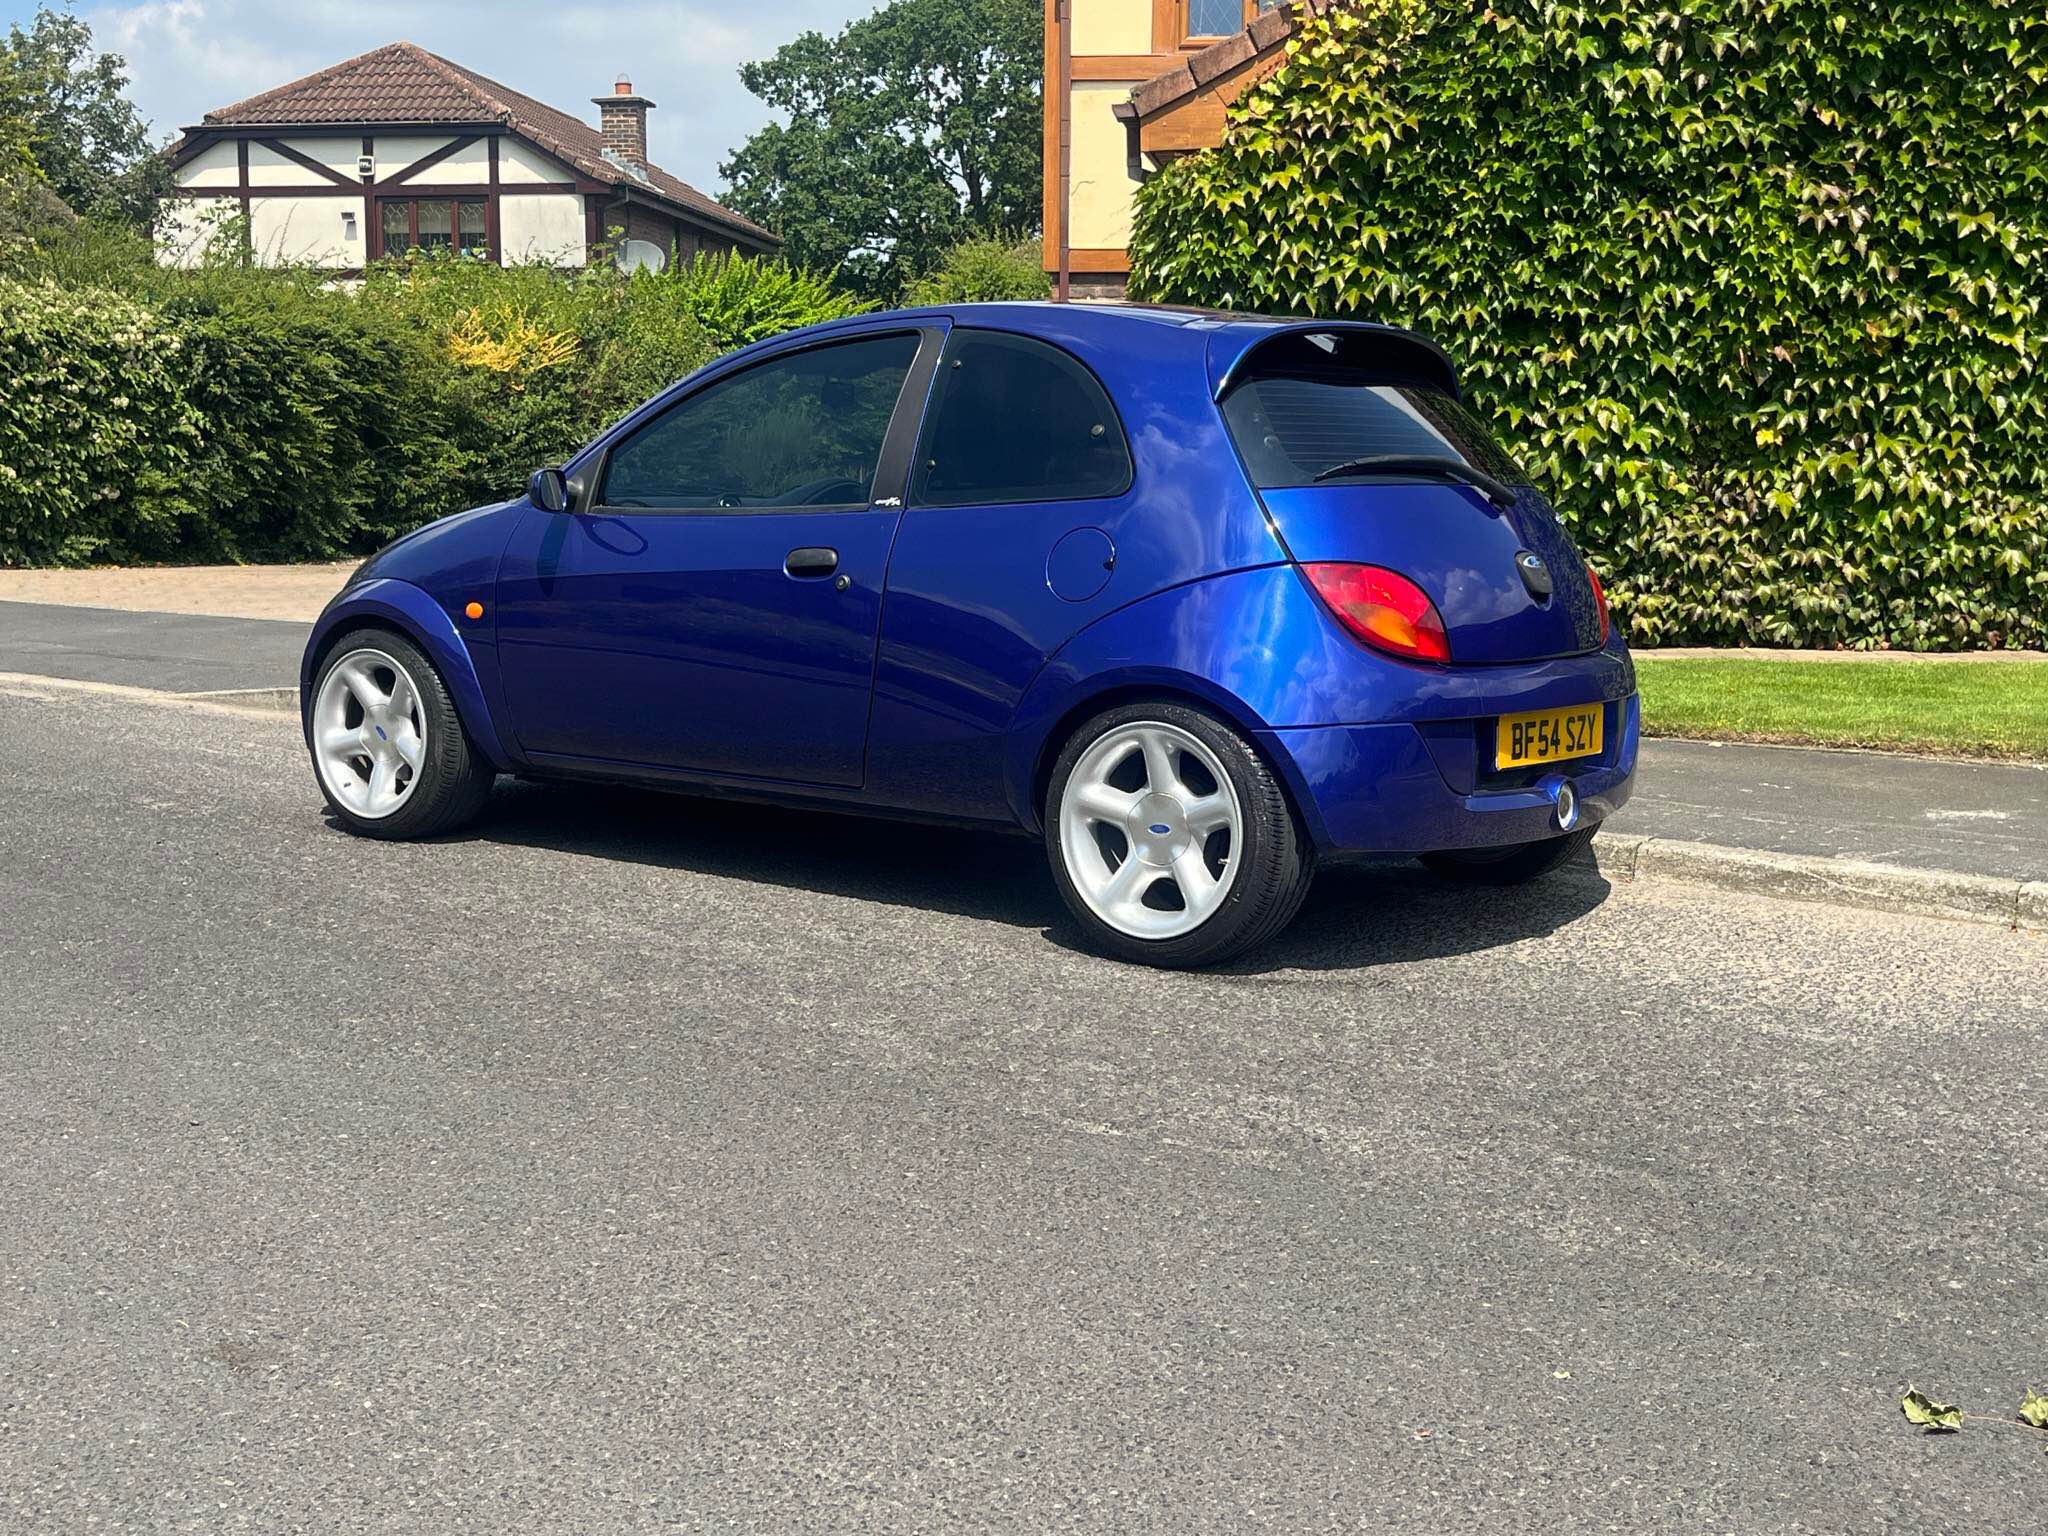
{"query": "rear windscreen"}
pixel 1292 427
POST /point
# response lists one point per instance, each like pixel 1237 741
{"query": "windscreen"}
pixel 1294 426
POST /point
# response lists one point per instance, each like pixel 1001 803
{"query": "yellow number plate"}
pixel 1548 735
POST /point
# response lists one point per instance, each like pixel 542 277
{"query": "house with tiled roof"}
pixel 401 149
pixel 1130 85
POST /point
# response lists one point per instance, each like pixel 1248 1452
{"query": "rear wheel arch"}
pixel 1184 692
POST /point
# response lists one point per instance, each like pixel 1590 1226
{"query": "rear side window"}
pixel 1016 420
pixel 1296 425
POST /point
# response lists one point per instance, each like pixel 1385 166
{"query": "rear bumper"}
pixel 1421 788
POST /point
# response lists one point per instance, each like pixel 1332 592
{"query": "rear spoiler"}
pixel 1235 346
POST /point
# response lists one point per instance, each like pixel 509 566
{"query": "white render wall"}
pixel 215 166
pixel 520 162
pixel 541 227
pixel 316 231
pixel 1099 196
pixel 310 231
pixel 395 151
pixel 1112 26
pixel 185 227
pixel 465 165
pixel 267 168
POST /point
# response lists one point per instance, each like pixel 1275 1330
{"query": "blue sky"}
pixel 188 56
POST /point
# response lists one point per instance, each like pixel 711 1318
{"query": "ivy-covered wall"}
pixel 1753 287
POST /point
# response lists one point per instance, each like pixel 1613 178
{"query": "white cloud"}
pixel 186 57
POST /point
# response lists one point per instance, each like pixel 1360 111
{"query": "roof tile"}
pixel 1221 58
pixel 1161 89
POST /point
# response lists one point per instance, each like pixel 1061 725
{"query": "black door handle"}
pixel 811 563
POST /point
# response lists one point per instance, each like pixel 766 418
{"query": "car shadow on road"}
pixel 1356 916
pixel 1394 911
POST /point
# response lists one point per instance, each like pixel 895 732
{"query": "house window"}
pixel 1205 19
pixel 434 224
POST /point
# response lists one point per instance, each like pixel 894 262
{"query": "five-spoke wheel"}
pixel 1169 837
pixel 1149 824
pixel 388 748
pixel 368 738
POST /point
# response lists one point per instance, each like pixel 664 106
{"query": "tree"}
pixel 90 144
pixel 911 130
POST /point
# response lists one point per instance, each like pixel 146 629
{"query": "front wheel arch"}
pixel 401 606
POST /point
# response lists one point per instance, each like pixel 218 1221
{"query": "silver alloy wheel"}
pixel 1150 830
pixel 369 734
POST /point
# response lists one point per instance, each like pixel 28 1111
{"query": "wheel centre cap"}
pixel 1158 830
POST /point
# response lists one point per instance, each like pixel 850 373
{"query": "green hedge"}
pixel 234 413
pixel 96 430
pixel 1753 287
pixel 984 271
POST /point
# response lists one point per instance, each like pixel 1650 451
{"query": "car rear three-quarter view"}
pixel 1200 600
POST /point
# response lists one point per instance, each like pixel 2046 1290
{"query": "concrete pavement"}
pixel 1918 812
pixel 636 1163
pixel 293 592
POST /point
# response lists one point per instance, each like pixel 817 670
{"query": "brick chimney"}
pixel 623 118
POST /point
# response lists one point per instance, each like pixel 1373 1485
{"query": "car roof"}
pixel 1219 339
pixel 1182 315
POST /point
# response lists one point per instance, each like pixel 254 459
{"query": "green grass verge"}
pixel 1968 708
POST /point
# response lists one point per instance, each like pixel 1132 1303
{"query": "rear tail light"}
pixel 1383 608
pixel 1599 601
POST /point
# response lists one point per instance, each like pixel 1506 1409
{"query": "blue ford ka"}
pixel 1202 600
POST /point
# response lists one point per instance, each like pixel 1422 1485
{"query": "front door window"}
pixel 801 431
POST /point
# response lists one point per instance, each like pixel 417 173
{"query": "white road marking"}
pixel 29 685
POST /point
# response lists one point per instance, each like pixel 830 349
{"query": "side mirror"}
pixel 548 489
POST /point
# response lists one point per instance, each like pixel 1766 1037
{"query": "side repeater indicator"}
pixel 475 610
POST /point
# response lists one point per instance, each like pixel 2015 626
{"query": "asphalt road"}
pixel 638 1164
pixel 175 652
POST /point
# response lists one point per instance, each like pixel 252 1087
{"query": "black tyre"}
pixel 1170 839
pixel 1511 865
pixel 389 751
